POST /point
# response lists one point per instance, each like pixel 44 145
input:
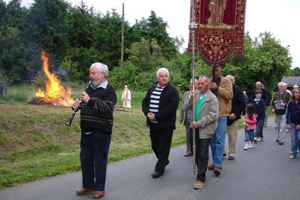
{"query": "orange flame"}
pixel 54 91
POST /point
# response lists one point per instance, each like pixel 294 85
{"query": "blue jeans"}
pixel 217 142
pixel 93 157
pixel 259 128
pixel 249 135
pixel 295 139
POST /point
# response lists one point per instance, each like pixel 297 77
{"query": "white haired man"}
pixel 96 122
pixel 160 106
pixel 279 102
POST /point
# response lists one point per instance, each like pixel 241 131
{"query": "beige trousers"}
pixel 232 131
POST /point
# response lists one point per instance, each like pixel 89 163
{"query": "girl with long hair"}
pixel 249 126
pixel 293 121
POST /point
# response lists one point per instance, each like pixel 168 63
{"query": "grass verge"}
pixel 35 142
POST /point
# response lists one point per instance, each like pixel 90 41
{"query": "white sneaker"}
pixel 258 139
pixel 292 156
pixel 246 147
pixel 255 139
pixel 250 146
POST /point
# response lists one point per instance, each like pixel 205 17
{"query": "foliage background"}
pixel 76 36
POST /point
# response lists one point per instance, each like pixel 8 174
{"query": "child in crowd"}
pixel 249 121
pixel 259 108
pixel 293 121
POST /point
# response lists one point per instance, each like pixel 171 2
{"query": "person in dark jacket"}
pixel 184 118
pixel 96 122
pixel 293 121
pixel 259 107
pixel 268 100
pixel 258 86
pixel 237 107
pixel 160 106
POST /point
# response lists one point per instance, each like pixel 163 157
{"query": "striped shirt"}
pixel 154 101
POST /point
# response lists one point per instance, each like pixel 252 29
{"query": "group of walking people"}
pixel 286 107
pixel 218 105
pixel 214 112
pixel 284 103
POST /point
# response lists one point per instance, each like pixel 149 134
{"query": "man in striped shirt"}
pixel 159 106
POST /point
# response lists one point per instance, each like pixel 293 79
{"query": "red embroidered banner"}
pixel 220 29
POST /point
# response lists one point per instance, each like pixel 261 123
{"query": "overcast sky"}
pixel 278 17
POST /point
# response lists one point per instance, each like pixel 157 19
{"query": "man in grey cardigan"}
pixel 205 124
pixel 184 118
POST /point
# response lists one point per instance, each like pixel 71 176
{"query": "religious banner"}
pixel 220 29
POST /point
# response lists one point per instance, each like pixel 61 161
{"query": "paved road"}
pixel 262 173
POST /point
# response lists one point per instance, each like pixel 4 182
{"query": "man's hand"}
pixel 232 116
pixel 213 85
pixel 194 125
pixel 84 97
pixel 151 116
pixel 76 104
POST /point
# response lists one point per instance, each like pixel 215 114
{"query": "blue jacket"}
pixel 259 107
pixel 293 113
pixel 168 103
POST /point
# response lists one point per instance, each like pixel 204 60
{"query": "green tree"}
pixel 12 19
pixel 265 60
pixel 295 71
pixel 108 41
pixel 155 28
pixel 47 28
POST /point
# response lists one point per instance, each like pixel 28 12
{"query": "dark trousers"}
pixel 93 158
pixel 202 156
pixel 161 143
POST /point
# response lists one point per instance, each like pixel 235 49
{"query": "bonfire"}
pixel 55 94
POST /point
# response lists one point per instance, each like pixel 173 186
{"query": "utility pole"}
pixel 122 38
pixel 193 27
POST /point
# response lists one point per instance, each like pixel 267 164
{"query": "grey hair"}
pixel 162 70
pixel 196 80
pixel 208 79
pixel 281 84
pixel 232 78
pixel 101 68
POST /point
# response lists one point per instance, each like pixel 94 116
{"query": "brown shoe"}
pixel 83 191
pixel 217 171
pixel 211 167
pixel 198 185
pixel 98 194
